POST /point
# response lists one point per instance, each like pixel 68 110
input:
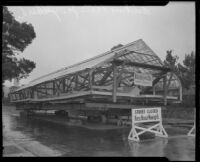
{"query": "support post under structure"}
pixel 165 89
pixel 90 78
pixel 114 83
pixel 180 90
pixel 153 117
pixel 154 90
pixel 192 131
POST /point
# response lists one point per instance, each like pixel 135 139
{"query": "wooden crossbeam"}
pixel 142 65
pixel 71 80
pixel 106 75
pixel 57 87
pixel 45 88
pixel 100 70
pixel 84 77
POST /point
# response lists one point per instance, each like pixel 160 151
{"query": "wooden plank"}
pixel 24 100
pixel 102 87
pixel 86 93
pixel 68 96
pixel 115 106
pixel 128 95
pixel 79 100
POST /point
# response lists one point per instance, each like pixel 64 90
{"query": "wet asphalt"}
pixel 42 138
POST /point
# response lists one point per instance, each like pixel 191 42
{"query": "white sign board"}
pixel 143 79
pixel 146 115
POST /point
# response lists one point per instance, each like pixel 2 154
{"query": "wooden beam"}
pixel 142 65
pixel 102 87
pixel 45 88
pixel 100 70
pixel 115 106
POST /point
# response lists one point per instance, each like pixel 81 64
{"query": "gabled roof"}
pixel 142 54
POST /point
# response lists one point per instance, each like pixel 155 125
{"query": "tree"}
pixel 16 37
pixel 171 62
pixel 187 70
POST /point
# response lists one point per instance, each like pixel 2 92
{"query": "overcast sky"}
pixel 67 35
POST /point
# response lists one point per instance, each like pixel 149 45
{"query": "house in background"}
pixel 7 90
pixel 188 95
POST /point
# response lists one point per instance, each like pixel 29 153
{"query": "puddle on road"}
pixel 77 141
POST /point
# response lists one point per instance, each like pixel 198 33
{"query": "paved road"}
pixel 33 137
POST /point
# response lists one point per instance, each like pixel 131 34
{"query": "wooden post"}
pixel 180 90
pixel 53 87
pixel 90 78
pixel 31 93
pixel 63 85
pixel 45 88
pixel 165 90
pixel 114 83
pixel 154 91
pixel 76 81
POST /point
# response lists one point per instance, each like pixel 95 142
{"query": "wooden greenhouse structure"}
pixel 104 83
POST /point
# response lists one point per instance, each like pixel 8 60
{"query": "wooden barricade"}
pixel 143 116
pixel 192 131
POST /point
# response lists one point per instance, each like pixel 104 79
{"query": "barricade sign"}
pixel 192 131
pixel 152 116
